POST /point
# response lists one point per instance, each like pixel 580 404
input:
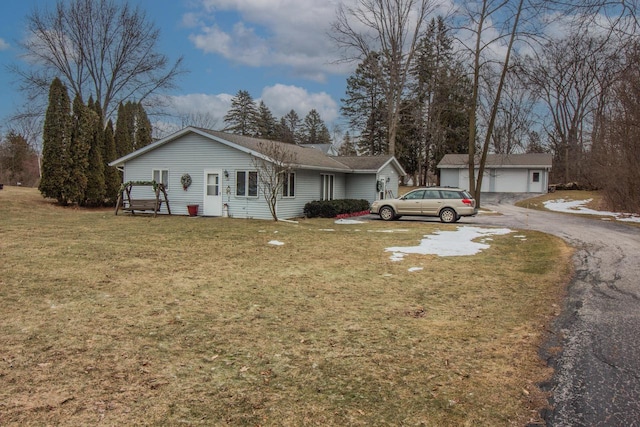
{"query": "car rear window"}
pixel 450 194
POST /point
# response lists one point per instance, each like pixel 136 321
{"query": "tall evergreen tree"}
pixel 17 159
pixel 290 128
pixel 241 117
pixel 83 120
pixel 347 148
pixel 364 105
pixel 266 125
pixel 314 130
pixel 439 102
pixel 123 132
pixel 112 177
pixel 374 138
pixel 142 128
pixel 55 140
pixel 95 191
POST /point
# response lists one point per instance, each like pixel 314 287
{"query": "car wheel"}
pixel 448 215
pixel 387 213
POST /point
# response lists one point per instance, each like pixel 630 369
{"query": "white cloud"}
pixel 279 98
pixel 291 33
pixel 216 105
pixel 282 98
pixel 3 45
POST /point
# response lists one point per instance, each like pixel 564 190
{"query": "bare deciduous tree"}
pixel 493 23
pixel 392 28
pixel 571 76
pixel 274 168
pixel 100 48
pixel 199 119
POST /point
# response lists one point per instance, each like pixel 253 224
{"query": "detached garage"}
pixel 504 173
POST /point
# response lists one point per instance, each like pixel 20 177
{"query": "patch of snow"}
pixel 276 243
pixel 412 269
pixel 327 229
pixel 399 230
pixel 349 221
pixel 578 206
pixel 449 243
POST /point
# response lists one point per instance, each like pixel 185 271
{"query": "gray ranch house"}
pixel 224 175
pixel 504 173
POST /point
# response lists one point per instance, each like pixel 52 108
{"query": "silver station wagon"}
pixel 450 204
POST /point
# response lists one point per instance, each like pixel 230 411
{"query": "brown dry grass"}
pixel 175 320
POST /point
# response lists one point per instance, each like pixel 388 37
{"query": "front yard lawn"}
pixel 134 320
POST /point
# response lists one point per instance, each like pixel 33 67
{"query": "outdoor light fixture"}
pixel 226 173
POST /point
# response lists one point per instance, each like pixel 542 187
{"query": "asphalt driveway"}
pixel 597 377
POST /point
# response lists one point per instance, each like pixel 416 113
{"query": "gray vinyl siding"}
pixel 307 189
pixel 193 154
pixel 394 180
pixel 362 186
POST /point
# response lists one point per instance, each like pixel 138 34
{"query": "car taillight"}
pixel 468 202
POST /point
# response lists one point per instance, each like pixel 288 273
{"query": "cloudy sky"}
pixel 278 50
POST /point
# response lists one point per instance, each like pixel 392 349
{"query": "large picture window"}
pixel 289 185
pixel 327 187
pixel 161 176
pixel 246 183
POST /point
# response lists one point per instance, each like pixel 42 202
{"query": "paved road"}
pixel 597 379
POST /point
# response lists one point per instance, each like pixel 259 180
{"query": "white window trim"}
pixel 327 193
pixel 287 186
pixel 160 173
pixel 246 194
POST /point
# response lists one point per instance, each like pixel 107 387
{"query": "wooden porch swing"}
pixel 127 203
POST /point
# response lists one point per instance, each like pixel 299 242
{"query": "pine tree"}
pixel 95 191
pixel 364 106
pixel 441 96
pixel 347 148
pixel 374 140
pixel 55 140
pixel 112 178
pixel 83 121
pixel 290 128
pixel 266 125
pixel 314 130
pixel 241 117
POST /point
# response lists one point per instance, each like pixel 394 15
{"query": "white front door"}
pixel 212 193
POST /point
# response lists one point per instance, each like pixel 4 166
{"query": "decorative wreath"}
pixel 186 181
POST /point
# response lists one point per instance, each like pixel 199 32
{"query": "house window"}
pixel 213 184
pixel 161 176
pixel 326 192
pixel 536 177
pixel 289 185
pixel 246 183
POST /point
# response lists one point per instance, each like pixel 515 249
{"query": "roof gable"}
pixel 370 163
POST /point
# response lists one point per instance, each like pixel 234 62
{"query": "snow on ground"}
pixel 449 243
pixel 578 206
pixel 349 221
pixel 276 243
